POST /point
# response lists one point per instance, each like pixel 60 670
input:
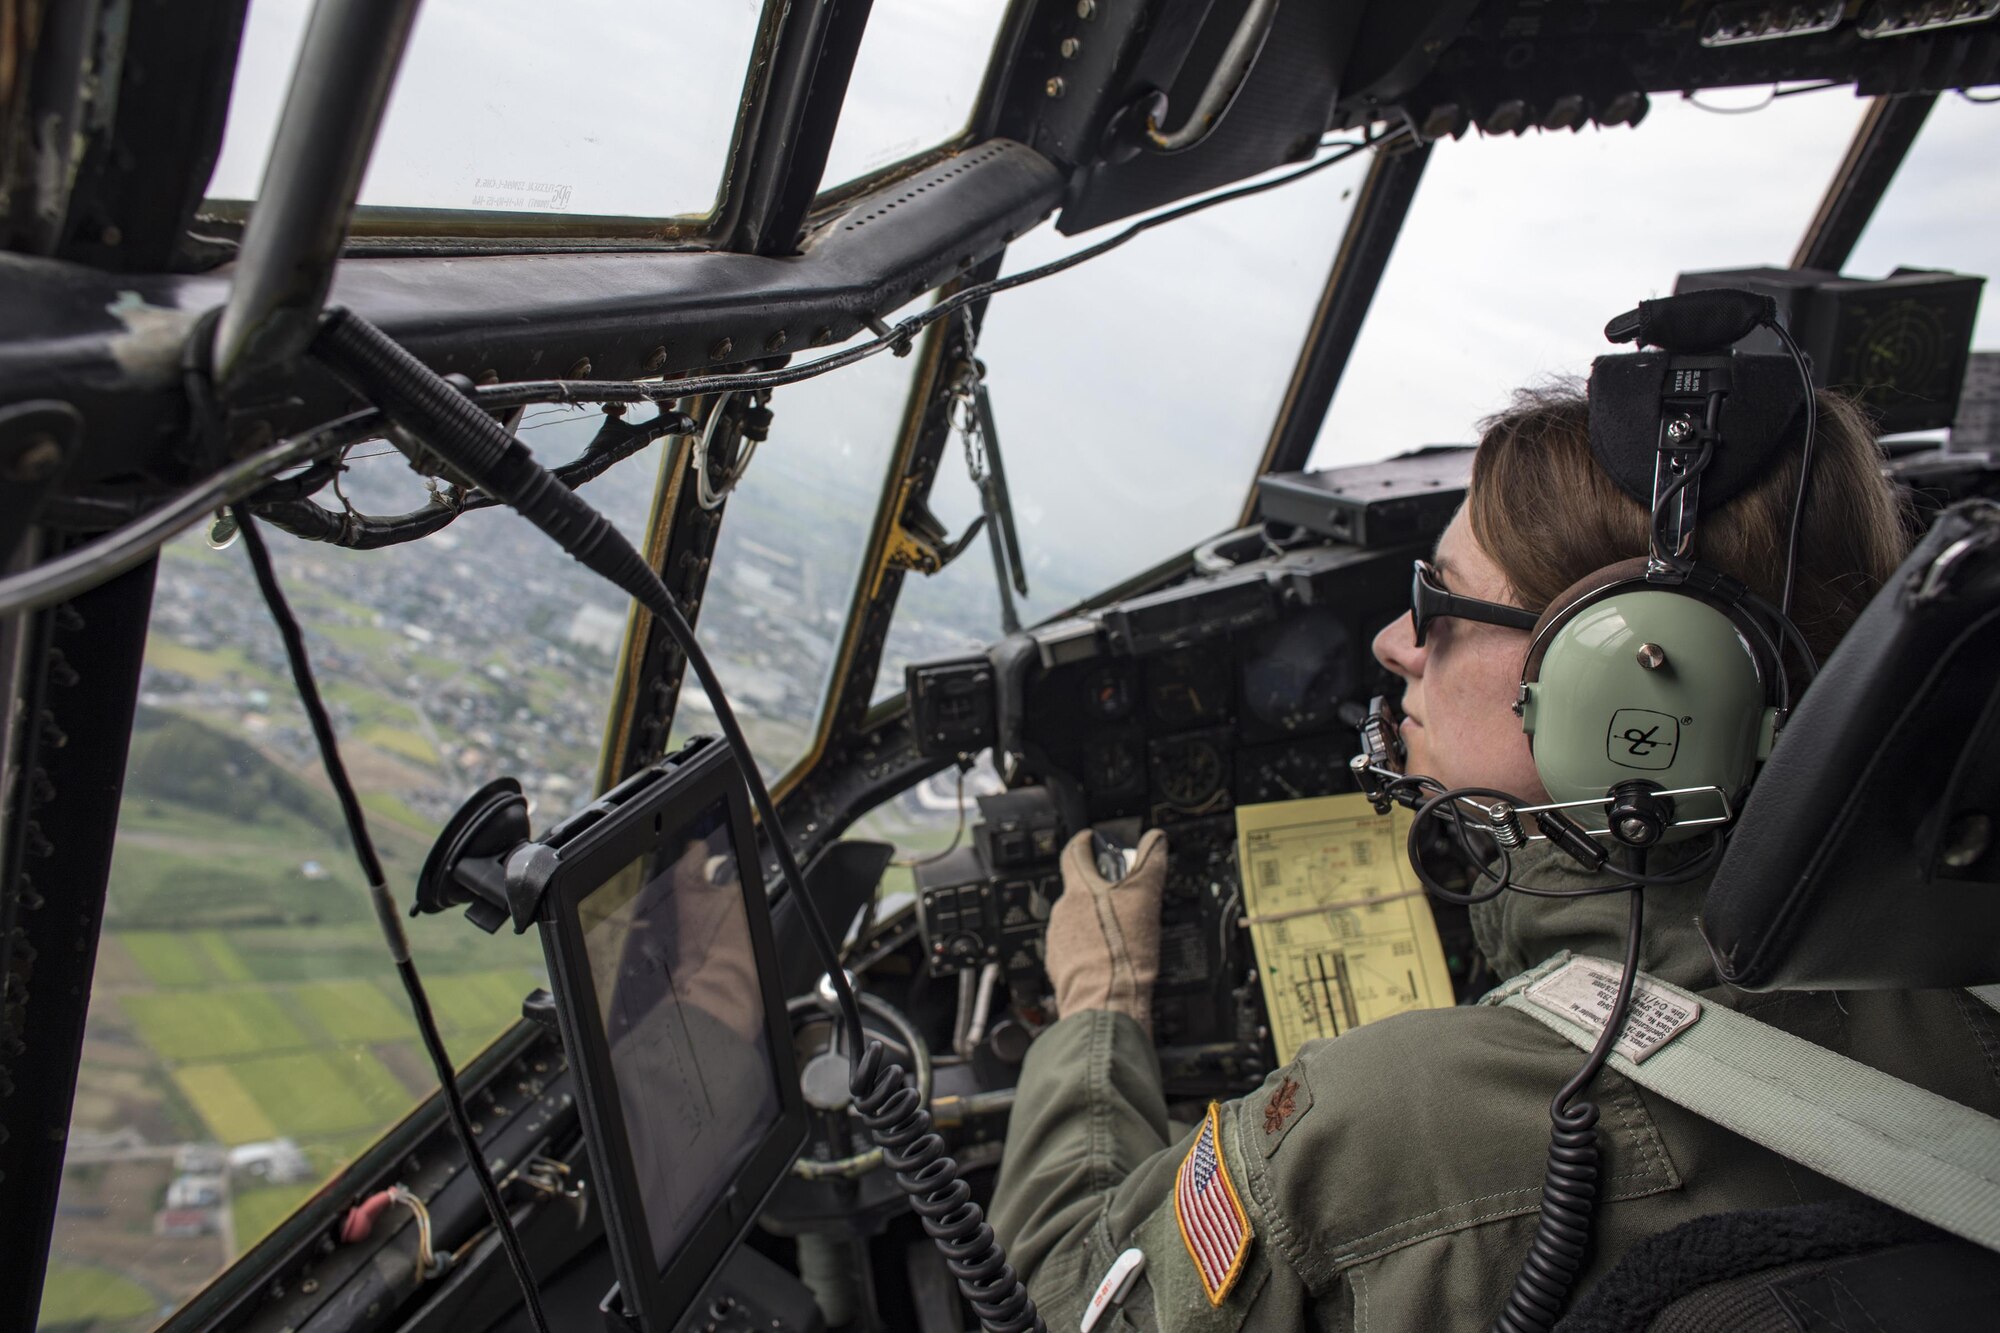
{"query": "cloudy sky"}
pixel 1134 393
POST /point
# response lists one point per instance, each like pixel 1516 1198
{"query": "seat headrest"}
pixel 1868 854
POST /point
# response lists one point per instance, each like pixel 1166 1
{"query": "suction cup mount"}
pixel 468 862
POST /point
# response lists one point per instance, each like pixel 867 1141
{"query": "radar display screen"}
pixel 676 985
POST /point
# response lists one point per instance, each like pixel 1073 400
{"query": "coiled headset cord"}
pixel 1569 1189
pixel 487 453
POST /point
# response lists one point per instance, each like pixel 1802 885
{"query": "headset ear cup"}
pixel 1573 599
pixel 1657 684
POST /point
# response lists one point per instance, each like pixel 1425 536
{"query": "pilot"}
pixel 1390 1178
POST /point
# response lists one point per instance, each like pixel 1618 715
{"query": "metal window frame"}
pixel 1887 132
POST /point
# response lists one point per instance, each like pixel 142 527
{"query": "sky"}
pixel 1134 393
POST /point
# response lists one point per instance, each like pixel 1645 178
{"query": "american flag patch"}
pixel 1212 1221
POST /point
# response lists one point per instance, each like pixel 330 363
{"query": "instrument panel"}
pixel 1192 731
pixel 1241 688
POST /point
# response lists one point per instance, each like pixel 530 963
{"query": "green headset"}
pixel 1652 689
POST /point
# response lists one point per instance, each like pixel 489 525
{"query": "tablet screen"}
pixel 676 982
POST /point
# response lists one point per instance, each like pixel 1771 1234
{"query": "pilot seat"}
pixel 1867 857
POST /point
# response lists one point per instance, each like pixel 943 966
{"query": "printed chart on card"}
pixel 1342 930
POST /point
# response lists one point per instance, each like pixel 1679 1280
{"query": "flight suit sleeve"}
pixel 1089 1171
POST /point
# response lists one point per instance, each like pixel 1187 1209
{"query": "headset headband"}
pixel 1762 419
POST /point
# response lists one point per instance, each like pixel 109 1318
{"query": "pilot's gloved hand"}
pixel 1104 939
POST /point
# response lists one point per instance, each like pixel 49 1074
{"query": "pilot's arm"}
pixel 1084 1160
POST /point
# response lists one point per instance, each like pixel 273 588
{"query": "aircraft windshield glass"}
pixel 790 547
pixel 1133 395
pixel 1939 210
pixel 621 108
pixel 1517 251
pixel 247 1033
pixel 914 82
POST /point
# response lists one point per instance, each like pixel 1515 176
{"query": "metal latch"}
pixel 917 540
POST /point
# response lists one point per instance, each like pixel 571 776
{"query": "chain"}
pixel 963 412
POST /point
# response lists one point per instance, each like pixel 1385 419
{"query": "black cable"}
pixel 615 442
pixel 472 442
pixel 1682 480
pixel 1569 1189
pixel 1805 464
pixel 385 912
pixel 1413 846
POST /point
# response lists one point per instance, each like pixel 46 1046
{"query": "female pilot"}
pixel 1390 1178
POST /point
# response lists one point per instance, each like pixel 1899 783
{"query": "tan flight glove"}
pixel 1104 939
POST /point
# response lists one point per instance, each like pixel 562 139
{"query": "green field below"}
pixel 257 1211
pixel 210 1025
pixel 76 1293
pixel 206 666
pixel 224 1104
pixel 318 1093
pixel 192 958
pixel 405 743
pixel 353 1010
pixel 479 1001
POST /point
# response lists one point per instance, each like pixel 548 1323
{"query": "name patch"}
pixel 1213 1224
pixel 1584 990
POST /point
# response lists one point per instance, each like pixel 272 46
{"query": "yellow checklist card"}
pixel 1342 930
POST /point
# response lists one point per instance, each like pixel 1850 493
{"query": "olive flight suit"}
pixel 1390 1178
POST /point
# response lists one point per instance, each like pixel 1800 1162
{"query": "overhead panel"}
pixel 1100 75
pixel 1510 66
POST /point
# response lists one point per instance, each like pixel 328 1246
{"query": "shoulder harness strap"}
pixel 1891 1140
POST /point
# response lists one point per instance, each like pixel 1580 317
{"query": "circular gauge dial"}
pixel 1111 765
pixel 1189 774
pixel 1108 693
pixel 1187 687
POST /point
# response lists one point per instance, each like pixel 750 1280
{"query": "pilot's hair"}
pixel 1548 515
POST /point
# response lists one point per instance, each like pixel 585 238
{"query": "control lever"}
pixel 1114 845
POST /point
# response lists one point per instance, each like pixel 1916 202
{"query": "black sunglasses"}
pixel 1430 600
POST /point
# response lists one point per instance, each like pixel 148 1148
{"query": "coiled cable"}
pixel 897 1117
pixel 1569 1189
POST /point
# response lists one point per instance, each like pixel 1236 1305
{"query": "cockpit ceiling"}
pixel 1513 65
pixel 1086 79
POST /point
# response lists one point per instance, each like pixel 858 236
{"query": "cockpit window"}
pixel 1939 210
pixel 1517 251
pixel 789 551
pixel 616 109
pixel 914 81
pixel 1133 395
pixel 247 1034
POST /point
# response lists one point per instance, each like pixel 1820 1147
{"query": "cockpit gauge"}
pixel 1112 765
pixel 1188 687
pixel 1296 674
pixel 1191 774
pixel 1294 771
pixel 1896 351
pixel 1109 693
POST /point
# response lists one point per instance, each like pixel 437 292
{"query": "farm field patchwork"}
pixel 212 1024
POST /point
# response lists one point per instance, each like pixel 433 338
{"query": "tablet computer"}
pixel 660 955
